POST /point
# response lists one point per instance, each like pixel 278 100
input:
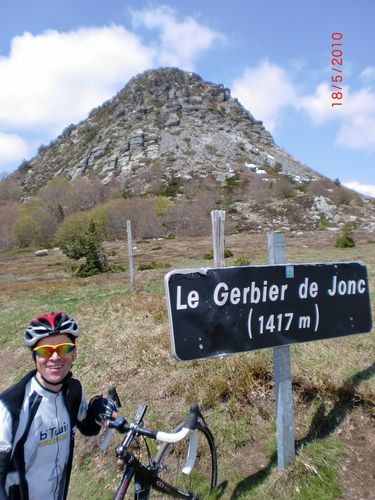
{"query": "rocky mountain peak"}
pixel 164 123
pixel 169 132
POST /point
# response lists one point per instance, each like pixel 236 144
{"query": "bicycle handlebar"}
pixel 122 426
pixel 189 425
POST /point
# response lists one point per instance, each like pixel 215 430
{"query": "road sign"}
pixel 214 312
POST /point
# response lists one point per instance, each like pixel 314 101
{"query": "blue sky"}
pixel 61 58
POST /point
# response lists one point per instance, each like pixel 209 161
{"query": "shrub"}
pixel 323 221
pixel 210 255
pixel 83 240
pixel 153 265
pixel 118 268
pixel 346 240
pixel 162 204
pixel 171 189
pixel 283 189
pixel 242 261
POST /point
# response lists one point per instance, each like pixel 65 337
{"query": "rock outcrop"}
pixel 164 123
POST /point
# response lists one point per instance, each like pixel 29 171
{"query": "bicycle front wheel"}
pixel 201 481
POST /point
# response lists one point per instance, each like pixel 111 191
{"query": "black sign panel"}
pixel 214 312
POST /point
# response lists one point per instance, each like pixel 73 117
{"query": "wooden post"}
pixel 283 376
pixel 130 254
pixel 218 220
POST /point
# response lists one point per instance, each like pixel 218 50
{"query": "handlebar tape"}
pixel 112 394
pixel 191 421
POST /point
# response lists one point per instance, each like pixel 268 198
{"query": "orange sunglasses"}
pixel 46 351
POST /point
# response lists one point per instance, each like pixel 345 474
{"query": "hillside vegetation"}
pixel 125 342
pixel 258 203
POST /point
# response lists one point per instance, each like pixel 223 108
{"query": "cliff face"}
pixel 164 123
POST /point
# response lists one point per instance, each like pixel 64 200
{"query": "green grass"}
pixel 312 475
pixel 22 304
pixel 125 342
pixel 88 485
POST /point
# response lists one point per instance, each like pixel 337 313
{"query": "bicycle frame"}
pixel 145 478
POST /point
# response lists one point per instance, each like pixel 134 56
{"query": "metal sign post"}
pixel 130 253
pixel 283 375
pixel 218 220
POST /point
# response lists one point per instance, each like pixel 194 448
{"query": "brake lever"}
pixel 112 394
pixel 192 453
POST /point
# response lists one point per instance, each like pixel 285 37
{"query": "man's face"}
pixel 55 367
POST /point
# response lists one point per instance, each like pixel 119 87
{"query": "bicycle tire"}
pixel 202 480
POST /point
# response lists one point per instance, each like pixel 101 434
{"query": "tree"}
pixel 87 193
pixel 79 238
pixel 58 196
pixel 26 231
pixel 8 215
pixel 44 218
pixel 9 191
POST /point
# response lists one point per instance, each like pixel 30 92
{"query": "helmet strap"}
pixel 67 377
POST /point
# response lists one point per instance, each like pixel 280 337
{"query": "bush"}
pixel 210 255
pixel 153 265
pixel 346 240
pixel 171 189
pixel 242 261
pixel 79 239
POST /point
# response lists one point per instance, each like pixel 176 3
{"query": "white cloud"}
pixel 52 79
pixel 368 75
pixel 12 148
pixel 265 90
pixel 366 189
pixel 358 127
pixel 318 105
pixel 358 133
pixel 180 42
pixel 355 116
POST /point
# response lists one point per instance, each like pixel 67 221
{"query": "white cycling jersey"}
pixel 47 445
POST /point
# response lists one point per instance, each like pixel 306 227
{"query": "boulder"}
pixel 41 253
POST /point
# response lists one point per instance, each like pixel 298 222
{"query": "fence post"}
pixel 130 253
pixel 283 376
pixel 218 220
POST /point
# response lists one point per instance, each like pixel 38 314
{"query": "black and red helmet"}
pixel 47 324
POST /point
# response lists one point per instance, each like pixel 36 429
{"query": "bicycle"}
pixel 185 466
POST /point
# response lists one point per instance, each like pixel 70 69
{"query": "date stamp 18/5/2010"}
pixel 337 74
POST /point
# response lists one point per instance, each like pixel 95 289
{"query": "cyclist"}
pixel 39 414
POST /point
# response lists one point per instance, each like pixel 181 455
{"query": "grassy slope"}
pixel 125 342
